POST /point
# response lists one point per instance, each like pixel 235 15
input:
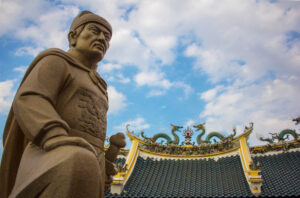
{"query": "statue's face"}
pixel 93 41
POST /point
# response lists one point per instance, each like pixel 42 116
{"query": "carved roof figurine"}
pixel 188 133
pixel 297 120
pixel 212 135
pixel 54 135
pixel 169 140
pixel 282 135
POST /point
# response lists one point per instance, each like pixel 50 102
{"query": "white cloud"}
pixel 6 95
pixel 153 79
pixel 42 24
pixel 21 69
pixel 14 13
pixel 187 89
pixel 245 47
pixel 111 72
pixel 210 94
pixel 242 37
pixel 270 105
pixel 135 125
pixel 117 101
pixel 159 34
pixel 48 24
pixel 53 26
pixel 33 51
pixel 122 79
pixel 155 92
pixel 126 48
pixel 189 123
pixel 109 67
pixel 160 84
pixel 117 77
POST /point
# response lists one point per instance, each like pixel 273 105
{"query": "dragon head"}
pixel 297 120
pixel 234 129
pixel 142 132
pixel 275 136
pixel 127 128
pixel 200 126
pixel 175 128
pixel 250 127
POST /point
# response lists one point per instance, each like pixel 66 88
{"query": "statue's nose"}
pixel 101 36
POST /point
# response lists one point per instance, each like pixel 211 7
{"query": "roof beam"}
pixel 252 175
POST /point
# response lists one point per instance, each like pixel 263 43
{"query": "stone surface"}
pixel 54 134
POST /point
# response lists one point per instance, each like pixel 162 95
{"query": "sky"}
pixel 226 63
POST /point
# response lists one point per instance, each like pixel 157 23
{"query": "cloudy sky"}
pixel 226 63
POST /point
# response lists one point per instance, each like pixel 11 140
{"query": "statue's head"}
pixel 90 35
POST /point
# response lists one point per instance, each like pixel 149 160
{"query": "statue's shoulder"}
pixel 55 60
pixel 58 56
pixel 54 54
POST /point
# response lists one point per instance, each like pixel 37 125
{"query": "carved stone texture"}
pixel 55 132
pixel 93 116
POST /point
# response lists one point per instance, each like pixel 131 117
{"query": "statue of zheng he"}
pixel 55 131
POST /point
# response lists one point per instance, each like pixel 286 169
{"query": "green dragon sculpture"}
pixel 155 137
pixel 297 120
pixel 211 135
pixel 199 137
pixel 283 135
pixel 231 136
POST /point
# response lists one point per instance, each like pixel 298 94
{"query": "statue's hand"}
pixel 67 140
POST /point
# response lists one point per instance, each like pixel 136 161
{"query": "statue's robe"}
pixel 57 96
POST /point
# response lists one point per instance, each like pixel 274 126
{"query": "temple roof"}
pixel 228 168
pixel 209 177
pixel 178 178
pixel 280 173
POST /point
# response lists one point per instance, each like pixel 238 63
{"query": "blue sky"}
pixel 226 63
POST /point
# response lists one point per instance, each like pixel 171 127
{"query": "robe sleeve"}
pixel 35 103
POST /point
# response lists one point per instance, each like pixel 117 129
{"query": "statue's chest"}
pixel 87 106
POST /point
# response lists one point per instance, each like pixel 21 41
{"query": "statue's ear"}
pixel 72 37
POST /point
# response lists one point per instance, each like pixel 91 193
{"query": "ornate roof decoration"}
pixel 279 141
pixel 281 136
pixel 280 146
pixel 188 133
pixel 165 136
pixel 297 120
pixel 284 134
pixel 203 147
pixel 212 135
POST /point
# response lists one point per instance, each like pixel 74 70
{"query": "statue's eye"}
pixel 94 30
pixel 107 36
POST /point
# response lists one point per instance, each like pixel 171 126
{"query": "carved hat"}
pixel 87 17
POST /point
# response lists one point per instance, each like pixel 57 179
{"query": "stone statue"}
pixel 55 131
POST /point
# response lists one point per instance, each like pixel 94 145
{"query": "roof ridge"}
pixel 270 153
pixel 145 155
